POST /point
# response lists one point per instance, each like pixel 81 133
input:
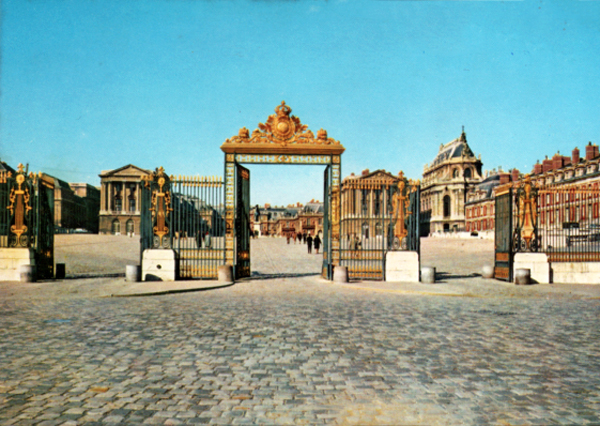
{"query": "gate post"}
pixel 27 224
pixel 503 252
pixel 159 262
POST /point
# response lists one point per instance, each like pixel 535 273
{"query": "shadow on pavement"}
pixel 442 276
pixel 269 276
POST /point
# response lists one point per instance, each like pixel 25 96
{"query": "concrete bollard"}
pixel 225 273
pixel 428 275
pixel 132 273
pixel 522 276
pixel 60 271
pixel 27 273
pixel 340 274
pixel 487 271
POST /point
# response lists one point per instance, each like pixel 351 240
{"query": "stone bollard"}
pixel 225 273
pixel 428 275
pixel 487 271
pixel 340 274
pixel 132 273
pixel 27 273
pixel 522 276
pixel 60 271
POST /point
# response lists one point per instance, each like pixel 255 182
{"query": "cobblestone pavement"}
pixel 290 348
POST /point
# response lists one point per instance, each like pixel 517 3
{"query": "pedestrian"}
pixel 317 243
pixel 309 241
pixel 288 238
pixel 304 237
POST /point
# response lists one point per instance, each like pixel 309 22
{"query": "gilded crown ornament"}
pixel 282 129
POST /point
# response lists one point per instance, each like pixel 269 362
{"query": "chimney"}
pixel 546 165
pixel 575 156
pixel 365 172
pixel 596 151
pixel 537 168
pixel 557 161
pixel 504 178
pixel 589 151
pixel 515 175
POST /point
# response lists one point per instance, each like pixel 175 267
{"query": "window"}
pixel 129 227
pixel 118 204
pixel 377 194
pixel 467 173
pixel 447 210
pixel 131 204
pixel 364 202
pixel 365 230
pixel 378 229
pixel 116 227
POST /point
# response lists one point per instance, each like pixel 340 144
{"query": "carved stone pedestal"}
pixel 11 260
pixel 159 265
pixel 537 263
pixel 402 266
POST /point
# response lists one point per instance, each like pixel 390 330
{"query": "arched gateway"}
pixel 282 139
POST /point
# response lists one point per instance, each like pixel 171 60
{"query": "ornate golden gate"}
pixel 282 139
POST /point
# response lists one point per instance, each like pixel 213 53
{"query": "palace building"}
pixel 121 200
pixel 287 221
pixel 445 184
pixel 481 202
pixel 76 206
pixel 365 200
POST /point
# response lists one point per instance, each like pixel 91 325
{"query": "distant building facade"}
pixel 365 200
pixel 445 184
pixel 287 221
pixel 572 177
pixel 481 202
pixel 76 206
pixel 121 200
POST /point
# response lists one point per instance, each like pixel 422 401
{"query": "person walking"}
pixel 317 243
pixel 309 241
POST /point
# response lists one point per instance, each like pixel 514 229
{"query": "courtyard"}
pixel 287 347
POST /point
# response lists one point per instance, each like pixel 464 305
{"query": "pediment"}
pixel 380 175
pixel 125 171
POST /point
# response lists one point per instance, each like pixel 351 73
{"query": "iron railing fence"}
pixel 377 216
pixel 569 223
pixel 6 181
pixel 198 225
pixel 366 227
pixel 562 221
pixel 185 214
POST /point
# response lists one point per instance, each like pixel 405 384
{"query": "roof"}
pixel 6 168
pixel 455 149
pixel 488 185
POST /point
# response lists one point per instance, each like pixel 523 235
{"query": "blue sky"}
pixel 89 85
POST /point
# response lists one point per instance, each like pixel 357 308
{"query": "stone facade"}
pixel 76 206
pixel 365 200
pixel 288 221
pixel 445 184
pixel 566 174
pixel 481 202
pixel 121 200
